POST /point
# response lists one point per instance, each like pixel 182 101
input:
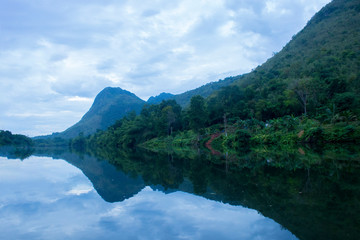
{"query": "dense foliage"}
pixel 153 121
pixel 112 104
pixel 317 73
pixel 205 91
pixel 7 138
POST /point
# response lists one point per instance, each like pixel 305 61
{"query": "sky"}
pixel 56 56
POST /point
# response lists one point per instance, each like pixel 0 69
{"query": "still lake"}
pixel 143 195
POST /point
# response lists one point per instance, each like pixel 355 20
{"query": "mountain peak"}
pixel 113 91
pixel 110 105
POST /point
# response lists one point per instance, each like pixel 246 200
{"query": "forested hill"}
pixel 316 76
pixel 109 105
pixel 206 90
pixel 317 71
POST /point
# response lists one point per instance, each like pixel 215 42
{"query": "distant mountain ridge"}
pixel 159 98
pixel 206 90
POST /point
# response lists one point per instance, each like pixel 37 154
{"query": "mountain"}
pixel 315 76
pixel 316 73
pixel 320 67
pixel 206 90
pixel 326 51
pixel 109 105
pixel 327 47
pixel 112 104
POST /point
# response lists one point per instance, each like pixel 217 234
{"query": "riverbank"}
pixel 288 130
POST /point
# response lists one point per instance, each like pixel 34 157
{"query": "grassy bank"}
pixel 288 131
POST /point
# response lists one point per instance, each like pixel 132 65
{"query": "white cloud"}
pixel 228 29
pixel 79 99
pixel 54 54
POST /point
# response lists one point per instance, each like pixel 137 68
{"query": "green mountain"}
pixel 317 74
pixel 206 90
pixel 317 71
pixel 109 105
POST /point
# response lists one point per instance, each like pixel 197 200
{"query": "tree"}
pixel 197 113
pixel 171 115
pixel 303 90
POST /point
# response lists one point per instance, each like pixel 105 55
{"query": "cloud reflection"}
pixel 50 199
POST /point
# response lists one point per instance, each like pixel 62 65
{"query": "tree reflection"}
pixel 313 192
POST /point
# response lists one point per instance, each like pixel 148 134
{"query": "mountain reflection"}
pixel 110 183
pixel 314 194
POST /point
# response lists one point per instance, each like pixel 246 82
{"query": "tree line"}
pixel 310 98
pixel 7 138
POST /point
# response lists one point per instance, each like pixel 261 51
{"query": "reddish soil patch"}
pixel 208 144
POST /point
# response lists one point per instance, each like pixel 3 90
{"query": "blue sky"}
pixel 55 56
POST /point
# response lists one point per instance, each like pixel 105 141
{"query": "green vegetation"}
pixel 154 121
pixel 51 142
pixel 7 138
pixel 317 73
pixel 111 104
pixel 182 141
pixel 205 91
pixel 15 145
pixel 291 131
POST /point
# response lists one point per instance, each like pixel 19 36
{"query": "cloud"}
pixel 79 99
pixel 52 51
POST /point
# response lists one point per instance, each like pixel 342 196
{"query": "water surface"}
pixel 261 193
pixel 46 198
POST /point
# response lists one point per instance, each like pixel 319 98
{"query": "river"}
pixel 143 195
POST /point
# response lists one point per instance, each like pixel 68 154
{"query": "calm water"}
pixel 62 195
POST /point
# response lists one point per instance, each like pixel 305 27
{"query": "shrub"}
pixel 242 138
pixel 314 135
